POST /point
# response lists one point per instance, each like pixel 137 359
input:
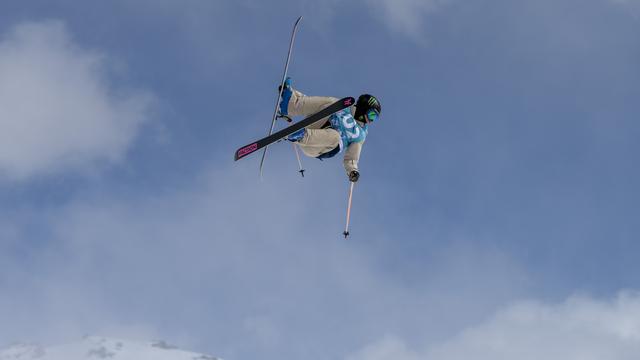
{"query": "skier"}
pixel 345 130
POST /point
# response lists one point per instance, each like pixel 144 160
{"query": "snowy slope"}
pixel 96 348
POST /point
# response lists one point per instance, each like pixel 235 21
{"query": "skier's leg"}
pixel 301 104
pixel 294 103
pixel 319 141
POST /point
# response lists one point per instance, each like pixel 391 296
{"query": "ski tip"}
pixel 346 234
pixel 246 150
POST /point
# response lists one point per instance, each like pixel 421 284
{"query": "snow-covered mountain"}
pixel 96 348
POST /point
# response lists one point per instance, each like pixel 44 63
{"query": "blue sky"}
pixel 497 208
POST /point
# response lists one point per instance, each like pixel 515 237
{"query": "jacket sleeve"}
pixel 352 156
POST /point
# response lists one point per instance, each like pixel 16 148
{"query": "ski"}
pixel 310 120
pixel 284 77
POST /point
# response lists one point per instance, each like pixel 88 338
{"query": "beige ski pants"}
pixel 316 141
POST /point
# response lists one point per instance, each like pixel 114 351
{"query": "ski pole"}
pixel 301 171
pixel 346 229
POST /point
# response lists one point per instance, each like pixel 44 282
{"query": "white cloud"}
pixel 59 111
pixel 388 348
pixel 242 286
pixel 624 1
pixel 406 16
pixel 579 328
pixel 633 6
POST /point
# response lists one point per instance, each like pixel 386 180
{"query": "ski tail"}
pixel 246 150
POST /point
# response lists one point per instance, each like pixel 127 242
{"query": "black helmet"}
pixel 365 104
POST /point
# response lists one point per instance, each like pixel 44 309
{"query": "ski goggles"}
pixel 372 115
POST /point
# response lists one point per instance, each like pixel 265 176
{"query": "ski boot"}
pixel 297 136
pixel 286 96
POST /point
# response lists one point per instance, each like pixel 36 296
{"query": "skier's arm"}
pixel 352 156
